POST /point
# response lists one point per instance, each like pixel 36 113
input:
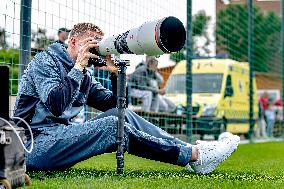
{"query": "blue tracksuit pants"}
pixel 61 146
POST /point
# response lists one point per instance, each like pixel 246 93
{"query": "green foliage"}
pixel 10 57
pixel 200 23
pixel 40 39
pixel 251 166
pixel 179 56
pixel 232 36
pixel 199 26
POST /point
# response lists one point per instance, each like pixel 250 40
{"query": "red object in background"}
pixel 277 102
pixel 264 102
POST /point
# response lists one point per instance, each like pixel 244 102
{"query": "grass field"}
pixel 251 166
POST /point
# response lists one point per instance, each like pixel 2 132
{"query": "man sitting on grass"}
pixel 54 89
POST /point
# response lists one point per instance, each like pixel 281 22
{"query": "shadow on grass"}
pixel 77 173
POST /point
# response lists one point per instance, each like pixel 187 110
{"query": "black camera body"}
pixel 97 62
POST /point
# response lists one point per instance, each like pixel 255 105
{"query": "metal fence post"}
pixel 25 35
pixel 189 72
pixel 251 67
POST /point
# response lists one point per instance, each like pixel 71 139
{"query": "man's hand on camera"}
pixel 84 54
pixel 110 66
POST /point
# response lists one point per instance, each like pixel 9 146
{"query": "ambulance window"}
pixel 207 83
pixel 229 81
pixel 177 84
pixel 229 88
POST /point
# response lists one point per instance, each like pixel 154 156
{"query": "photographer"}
pixel 54 89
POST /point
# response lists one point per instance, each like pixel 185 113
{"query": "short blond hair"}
pixel 81 29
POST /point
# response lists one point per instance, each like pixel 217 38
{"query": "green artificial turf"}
pixel 251 166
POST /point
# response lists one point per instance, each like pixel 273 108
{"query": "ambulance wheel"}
pixel 5 184
pixel 27 180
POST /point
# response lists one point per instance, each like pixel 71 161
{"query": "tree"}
pixel 41 41
pixel 232 36
pixel 200 23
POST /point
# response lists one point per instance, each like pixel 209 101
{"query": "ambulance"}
pixel 220 95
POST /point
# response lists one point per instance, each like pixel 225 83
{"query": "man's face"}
pixel 63 36
pixel 153 66
pixel 78 42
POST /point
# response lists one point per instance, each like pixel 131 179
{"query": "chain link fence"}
pixel 228 76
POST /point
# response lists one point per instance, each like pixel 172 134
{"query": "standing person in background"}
pixel 261 130
pixel 62 36
pixel 264 101
pixel 270 120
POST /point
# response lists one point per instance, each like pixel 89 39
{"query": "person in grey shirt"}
pixel 146 84
pixel 142 85
pixel 164 104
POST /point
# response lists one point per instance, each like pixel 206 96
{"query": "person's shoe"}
pixel 211 154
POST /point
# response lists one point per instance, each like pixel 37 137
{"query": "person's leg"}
pixel 263 128
pixel 163 106
pixel 142 125
pixel 257 130
pixel 269 123
pixel 211 153
pixel 60 147
pixel 155 103
pixel 146 96
pixel 171 106
pixel 270 128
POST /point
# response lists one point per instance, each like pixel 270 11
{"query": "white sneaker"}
pixel 211 154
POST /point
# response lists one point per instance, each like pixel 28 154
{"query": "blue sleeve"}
pixel 55 93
